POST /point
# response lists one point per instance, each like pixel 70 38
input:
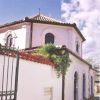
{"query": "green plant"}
pixel 44 50
pixel 59 56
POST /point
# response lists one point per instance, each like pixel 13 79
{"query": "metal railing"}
pixel 10 66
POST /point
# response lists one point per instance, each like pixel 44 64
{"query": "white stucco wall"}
pixel 34 78
pixel 75 38
pixel 81 68
pixel 20 33
pixel 64 35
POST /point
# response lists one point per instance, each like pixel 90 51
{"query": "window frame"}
pixel 84 86
pixel 9 40
pixel 77 47
pixel 49 38
pixel 76 85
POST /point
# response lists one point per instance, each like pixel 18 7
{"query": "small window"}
pixel 76 86
pixel 49 38
pixel 77 47
pixel 91 85
pixel 9 40
pixel 84 86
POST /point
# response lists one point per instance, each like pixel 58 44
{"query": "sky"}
pixel 11 10
pixel 85 13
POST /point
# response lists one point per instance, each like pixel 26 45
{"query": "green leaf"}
pixel 59 56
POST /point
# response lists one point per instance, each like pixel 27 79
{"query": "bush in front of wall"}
pixel 58 55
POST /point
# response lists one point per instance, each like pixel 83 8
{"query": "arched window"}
pixel 49 38
pixel 9 40
pixel 84 86
pixel 91 85
pixel 76 86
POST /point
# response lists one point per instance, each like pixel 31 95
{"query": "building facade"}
pixel 39 81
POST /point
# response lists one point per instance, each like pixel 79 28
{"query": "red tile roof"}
pixel 45 19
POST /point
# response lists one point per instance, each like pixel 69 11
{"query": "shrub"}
pixel 59 56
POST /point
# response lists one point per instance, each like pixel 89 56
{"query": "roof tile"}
pixel 44 18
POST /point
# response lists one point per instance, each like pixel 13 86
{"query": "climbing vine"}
pixel 58 55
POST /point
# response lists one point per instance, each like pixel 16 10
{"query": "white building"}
pixel 38 81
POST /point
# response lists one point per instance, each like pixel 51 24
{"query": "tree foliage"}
pixel 59 56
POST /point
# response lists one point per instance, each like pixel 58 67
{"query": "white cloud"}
pixel 86 14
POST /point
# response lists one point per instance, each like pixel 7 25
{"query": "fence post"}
pixel 16 76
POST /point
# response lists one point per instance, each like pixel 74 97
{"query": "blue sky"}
pixel 11 10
